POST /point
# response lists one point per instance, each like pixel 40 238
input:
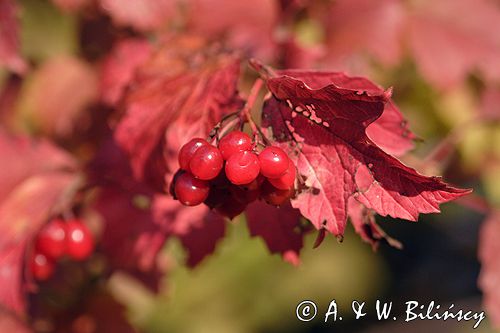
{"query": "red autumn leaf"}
pixel 143 15
pixel 279 227
pixel 247 25
pixel 489 248
pixel 9 38
pixel 364 223
pixel 130 239
pixel 390 131
pixel 187 83
pixel 451 38
pixel 325 128
pixel 119 68
pixel 37 181
pixel 45 100
pixel 356 27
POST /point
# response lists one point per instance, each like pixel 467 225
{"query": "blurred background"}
pixel 441 58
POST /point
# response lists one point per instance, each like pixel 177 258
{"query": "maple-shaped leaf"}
pixel 37 181
pixel 279 227
pixel 489 247
pixel 325 131
pixel 185 82
pixel 9 38
pixel 119 67
pixel 451 38
pixel 143 15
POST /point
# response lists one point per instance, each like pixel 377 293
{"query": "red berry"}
pixel 189 190
pixel 242 168
pixel 79 240
pixel 287 180
pixel 206 163
pixel 51 239
pixel 273 162
pixel 187 151
pixel 41 267
pixel 275 196
pixel 234 142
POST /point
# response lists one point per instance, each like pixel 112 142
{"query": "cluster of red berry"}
pixel 230 176
pixel 57 239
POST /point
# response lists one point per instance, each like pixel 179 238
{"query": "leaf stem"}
pixel 246 114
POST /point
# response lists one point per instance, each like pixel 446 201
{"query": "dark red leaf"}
pixel 9 37
pixel 489 248
pixel 279 227
pixel 325 129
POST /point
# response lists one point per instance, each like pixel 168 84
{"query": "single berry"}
pixel 187 151
pixel 189 190
pixel 242 168
pixel 273 162
pixel 234 142
pixel 79 240
pixel 51 239
pixel 287 180
pixel 246 194
pixel 42 267
pixel 274 196
pixel 206 163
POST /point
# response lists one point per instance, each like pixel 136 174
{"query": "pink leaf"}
pixel 326 129
pixel 489 248
pixel 280 229
pixel 11 278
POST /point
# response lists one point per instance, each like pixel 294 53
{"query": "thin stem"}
pixel 247 115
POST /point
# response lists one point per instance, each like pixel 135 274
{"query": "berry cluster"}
pixel 57 239
pixel 232 175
